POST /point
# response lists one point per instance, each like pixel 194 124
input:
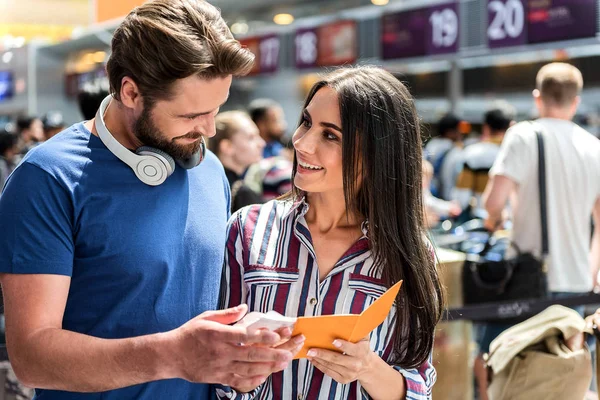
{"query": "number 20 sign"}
pixel 507 23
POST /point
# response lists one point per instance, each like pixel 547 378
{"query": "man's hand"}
pixel 293 345
pixel 206 349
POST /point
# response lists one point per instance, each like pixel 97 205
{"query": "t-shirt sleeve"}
pixel 512 160
pixel 36 221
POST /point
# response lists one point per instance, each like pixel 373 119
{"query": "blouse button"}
pixel 300 396
pixel 313 302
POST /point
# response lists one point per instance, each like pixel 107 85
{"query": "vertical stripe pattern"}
pixel 270 265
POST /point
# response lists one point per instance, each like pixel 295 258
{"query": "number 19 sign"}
pixel 420 32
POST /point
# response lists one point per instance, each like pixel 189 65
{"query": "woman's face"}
pixel 318 145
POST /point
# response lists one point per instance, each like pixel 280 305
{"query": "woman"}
pixel 351 228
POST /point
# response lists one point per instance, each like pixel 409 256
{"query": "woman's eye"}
pixel 306 123
pixel 330 136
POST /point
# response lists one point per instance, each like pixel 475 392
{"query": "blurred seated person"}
pixel 270 178
pixel 435 209
pixel 9 151
pixel 53 123
pixel 268 116
pixel 31 133
pixel 238 145
pixel 89 102
pixel 478 158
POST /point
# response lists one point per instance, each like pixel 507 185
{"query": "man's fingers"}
pixel 252 369
pixel 244 383
pixel 264 337
pixel 240 335
pixel 292 344
pixel 254 354
pixel 226 317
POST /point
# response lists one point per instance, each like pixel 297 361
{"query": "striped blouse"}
pixel 270 265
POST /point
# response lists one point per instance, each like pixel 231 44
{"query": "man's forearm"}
pixel 64 360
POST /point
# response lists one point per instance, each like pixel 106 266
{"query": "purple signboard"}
pixel 269 53
pixel 420 32
pixel 506 23
pixel 306 48
pixel 561 20
pixel 442 33
pixel 403 34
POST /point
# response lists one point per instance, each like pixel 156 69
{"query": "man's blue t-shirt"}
pixel 141 259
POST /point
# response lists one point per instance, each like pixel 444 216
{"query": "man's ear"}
pixel 130 94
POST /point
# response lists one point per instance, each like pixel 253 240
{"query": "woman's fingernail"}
pixel 311 353
pixel 337 343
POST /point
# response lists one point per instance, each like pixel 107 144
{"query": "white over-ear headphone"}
pixel 151 166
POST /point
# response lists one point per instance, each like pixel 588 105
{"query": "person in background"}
pixel 435 209
pixel 438 148
pixel 572 186
pixel 268 116
pixel 31 133
pixel 9 150
pixel 53 123
pixel 350 229
pixel 270 177
pixel 478 158
pixel 238 145
pixel 89 102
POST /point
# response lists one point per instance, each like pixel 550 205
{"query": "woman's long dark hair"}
pixel 381 142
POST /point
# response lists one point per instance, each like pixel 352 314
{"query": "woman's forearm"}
pixel 383 382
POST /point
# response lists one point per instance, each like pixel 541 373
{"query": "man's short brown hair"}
pixel 559 84
pixel 162 41
pixel 227 125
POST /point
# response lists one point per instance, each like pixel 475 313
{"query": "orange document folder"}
pixel 321 331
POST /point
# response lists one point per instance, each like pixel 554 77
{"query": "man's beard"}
pixel 149 134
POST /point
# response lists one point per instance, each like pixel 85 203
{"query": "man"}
pixel 572 184
pixel 31 132
pixel 238 145
pixel 9 149
pixel 478 158
pixel 269 118
pixel 89 102
pixel 53 123
pixel 108 282
pixel 442 152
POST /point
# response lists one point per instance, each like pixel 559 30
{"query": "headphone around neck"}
pixel 151 166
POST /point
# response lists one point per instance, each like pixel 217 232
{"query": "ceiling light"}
pixel 99 57
pixel 239 28
pixel 380 2
pixel 7 57
pixel 283 19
